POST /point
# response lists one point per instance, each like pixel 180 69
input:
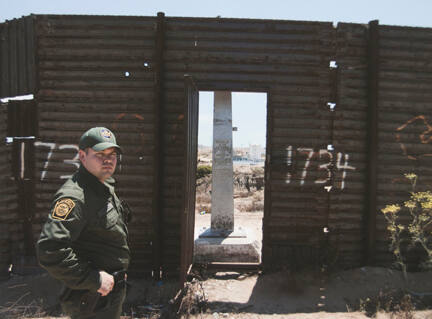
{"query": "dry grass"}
pixel 194 300
pixel 249 204
pixel 404 309
pixel 397 303
pixel 203 202
pixel 19 309
pixel 238 193
pixel 203 198
pixel 248 190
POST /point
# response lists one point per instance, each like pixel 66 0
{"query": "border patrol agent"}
pixel 84 242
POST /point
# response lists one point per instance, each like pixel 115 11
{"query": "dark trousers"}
pixel 108 307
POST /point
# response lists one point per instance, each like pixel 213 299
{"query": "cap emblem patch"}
pixel 63 208
pixel 106 133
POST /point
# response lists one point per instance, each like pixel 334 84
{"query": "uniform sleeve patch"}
pixel 62 208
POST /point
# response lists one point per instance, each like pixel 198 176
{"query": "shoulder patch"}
pixel 62 208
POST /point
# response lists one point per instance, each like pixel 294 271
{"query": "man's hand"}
pixel 107 283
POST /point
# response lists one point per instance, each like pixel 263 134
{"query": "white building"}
pixel 256 152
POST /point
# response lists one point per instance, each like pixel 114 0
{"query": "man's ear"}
pixel 81 155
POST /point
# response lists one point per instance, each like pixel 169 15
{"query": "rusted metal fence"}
pixel 404 117
pixel 101 75
pixel 17 49
pixel 348 113
pixel 17 184
pixel 8 199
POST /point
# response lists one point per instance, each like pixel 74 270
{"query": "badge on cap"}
pixel 62 208
pixel 105 133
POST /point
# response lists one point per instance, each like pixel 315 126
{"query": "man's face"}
pixel 101 164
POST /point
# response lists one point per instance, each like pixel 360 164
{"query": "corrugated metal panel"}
pixel 405 118
pixel 8 200
pixel 17 57
pixel 11 230
pixel 98 71
pixel 348 195
pixel 190 153
pixel 22 127
pixel 289 59
pixel 300 133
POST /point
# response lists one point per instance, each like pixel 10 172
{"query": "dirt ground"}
pixel 356 293
pixel 248 294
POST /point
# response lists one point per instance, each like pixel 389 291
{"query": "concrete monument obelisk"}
pixel 222 216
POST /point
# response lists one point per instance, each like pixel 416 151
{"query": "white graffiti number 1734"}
pixel 323 153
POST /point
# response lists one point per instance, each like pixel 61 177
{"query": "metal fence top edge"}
pixel 208 19
pixel 335 24
pixel 173 18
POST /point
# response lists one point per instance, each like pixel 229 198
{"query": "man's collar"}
pixel 110 181
pixel 89 178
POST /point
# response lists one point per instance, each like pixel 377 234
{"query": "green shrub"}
pixel 203 171
pixel 418 230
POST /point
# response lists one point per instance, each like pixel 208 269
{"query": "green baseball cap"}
pixel 99 139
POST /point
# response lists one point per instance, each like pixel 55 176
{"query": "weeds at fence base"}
pixel 399 304
pixel 19 309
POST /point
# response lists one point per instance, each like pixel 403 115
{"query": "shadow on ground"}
pixel 37 296
pixel 367 289
pixel 240 294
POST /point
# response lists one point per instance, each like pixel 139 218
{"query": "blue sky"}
pixel 248 115
pixel 396 12
pixel 251 123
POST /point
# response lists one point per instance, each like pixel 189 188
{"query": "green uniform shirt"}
pixel 86 232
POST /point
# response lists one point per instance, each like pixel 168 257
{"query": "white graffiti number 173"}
pixel 52 146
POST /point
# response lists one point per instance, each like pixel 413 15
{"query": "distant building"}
pixel 256 152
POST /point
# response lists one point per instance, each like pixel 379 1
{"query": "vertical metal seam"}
pixel 31 110
pixel 34 80
pixel 22 69
pixel 372 139
pixel 185 206
pixel 334 74
pixel 2 44
pixel 33 86
pixel 267 185
pixel 158 218
pixel 323 257
pixel 32 113
pixel 34 64
pixel 186 251
pixel 13 59
pixel 23 170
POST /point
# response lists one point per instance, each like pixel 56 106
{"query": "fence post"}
pixel 22 129
pixel 158 234
pixel 372 140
